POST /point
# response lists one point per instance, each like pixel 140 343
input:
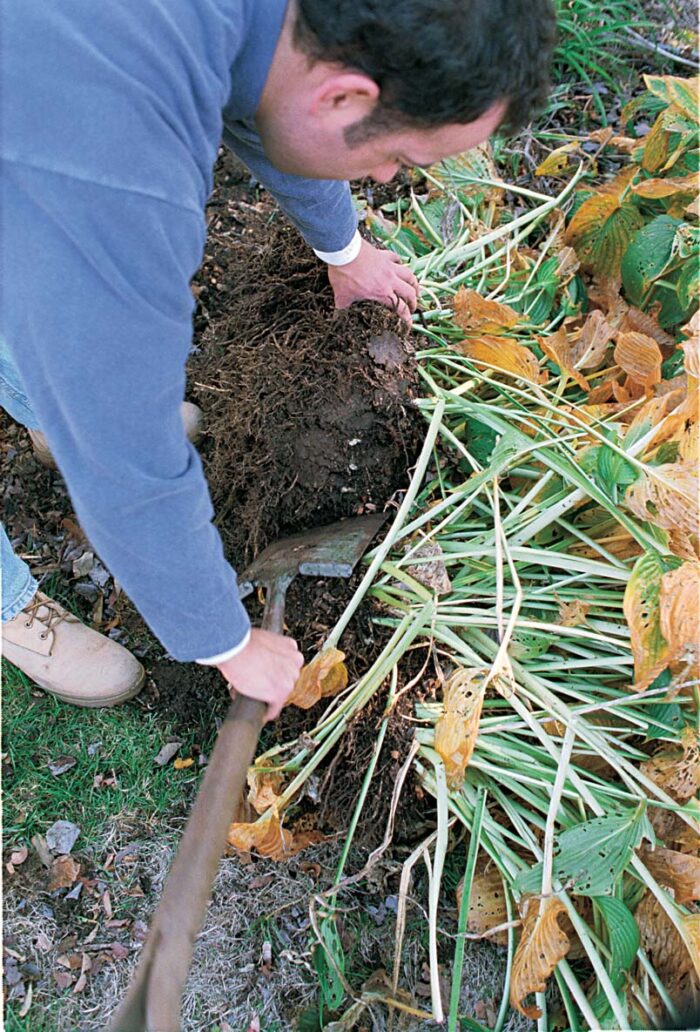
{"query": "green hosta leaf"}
pixel 480 440
pixel 648 254
pixel 601 230
pixel 590 857
pixel 614 471
pixel 332 990
pixel 623 936
pixel 668 714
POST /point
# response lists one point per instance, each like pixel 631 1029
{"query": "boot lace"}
pixel 55 614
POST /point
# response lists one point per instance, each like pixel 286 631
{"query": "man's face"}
pixel 320 151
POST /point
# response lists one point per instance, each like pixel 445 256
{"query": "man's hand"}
pixel 266 669
pixel 375 275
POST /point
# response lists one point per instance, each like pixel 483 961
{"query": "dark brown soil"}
pixel 308 410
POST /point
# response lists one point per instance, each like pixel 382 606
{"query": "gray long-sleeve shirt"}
pixel 110 120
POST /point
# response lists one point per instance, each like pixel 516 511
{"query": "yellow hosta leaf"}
pixel 558 160
pixel 324 676
pixel 654 188
pixel 542 945
pixel 267 837
pixel 183 764
pixel 642 612
pixel 263 788
pixel 477 315
pixel 640 357
pixel 656 144
pixel 676 768
pixel 457 728
pixel 691 352
pixel 667 497
pixel 502 353
pixel 677 871
pixel 487 903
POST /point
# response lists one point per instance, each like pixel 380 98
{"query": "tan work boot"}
pixel 68 659
pixel 191 420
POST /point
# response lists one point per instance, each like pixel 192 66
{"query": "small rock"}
pixel 62 836
pixel 61 764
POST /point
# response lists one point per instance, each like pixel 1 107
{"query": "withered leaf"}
pixel 679 604
pixel 18 856
pixel 571 614
pixel 263 788
pixel 676 768
pixel 666 949
pixel 432 574
pixel 64 872
pixel 457 728
pixel 477 315
pixel 667 496
pixel 166 753
pixel 324 676
pixel 487 903
pixel 268 838
pixel 183 764
pixel 502 354
pixel 640 357
pixel 542 945
pixel 677 871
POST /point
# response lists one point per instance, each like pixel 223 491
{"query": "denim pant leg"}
pixel 17 586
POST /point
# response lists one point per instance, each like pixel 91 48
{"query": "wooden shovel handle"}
pixel 153 1001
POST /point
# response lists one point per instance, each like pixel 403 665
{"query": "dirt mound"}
pixel 308 410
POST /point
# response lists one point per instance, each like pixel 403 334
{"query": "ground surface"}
pixel 287 386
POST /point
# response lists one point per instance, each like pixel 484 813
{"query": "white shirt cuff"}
pixel 345 256
pixel 223 656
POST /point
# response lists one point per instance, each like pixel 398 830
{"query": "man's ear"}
pixel 350 95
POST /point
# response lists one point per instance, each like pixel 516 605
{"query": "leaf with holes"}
pixel 457 727
pixel 601 230
pixel 667 497
pixel 542 945
pixel 487 903
pixel 623 936
pixel 676 767
pixel 590 857
pixel 643 614
pixel 558 160
pixel 679 604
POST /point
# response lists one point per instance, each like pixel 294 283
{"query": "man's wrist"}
pixel 223 657
pixel 346 255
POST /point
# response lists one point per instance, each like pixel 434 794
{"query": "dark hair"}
pixel 436 62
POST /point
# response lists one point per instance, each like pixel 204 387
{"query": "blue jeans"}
pixel 17 586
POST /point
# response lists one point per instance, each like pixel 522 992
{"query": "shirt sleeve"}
pixel 321 209
pixel 97 311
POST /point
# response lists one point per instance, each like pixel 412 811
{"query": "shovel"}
pixel 153 1001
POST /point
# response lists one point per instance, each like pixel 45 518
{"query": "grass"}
pixel 38 728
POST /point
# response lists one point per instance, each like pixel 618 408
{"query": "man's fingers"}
pixel 406 292
pixel 404 311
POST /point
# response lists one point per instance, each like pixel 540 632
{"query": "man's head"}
pixel 360 87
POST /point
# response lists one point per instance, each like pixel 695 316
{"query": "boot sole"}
pixel 87 703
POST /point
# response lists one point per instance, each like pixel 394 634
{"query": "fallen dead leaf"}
pixel 432 574
pixel 676 768
pixel 268 838
pixel 542 945
pixel 487 904
pixel 457 728
pixel 18 856
pixel 62 836
pixel 503 354
pixel 64 872
pixel 477 315
pixel 640 357
pixel 180 764
pixel 263 788
pixel 677 871
pixel 571 614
